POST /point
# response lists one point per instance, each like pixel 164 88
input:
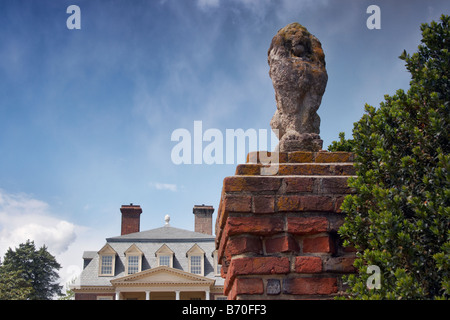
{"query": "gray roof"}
pixel 166 233
pixel 89 254
pixel 178 240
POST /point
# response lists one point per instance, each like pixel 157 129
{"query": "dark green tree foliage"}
pixel 13 286
pixel 399 217
pixel 38 268
pixel 341 145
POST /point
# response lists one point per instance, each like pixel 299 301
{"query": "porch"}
pixel 164 283
pixel 163 295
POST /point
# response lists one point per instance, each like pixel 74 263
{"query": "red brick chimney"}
pixel 203 218
pixel 131 218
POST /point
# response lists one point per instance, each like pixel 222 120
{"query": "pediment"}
pixel 162 275
pixel 195 249
pixel 164 249
pixel 133 249
pixel 107 249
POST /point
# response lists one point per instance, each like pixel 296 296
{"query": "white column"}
pixel 147 295
pixel 207 295
pixel 117 295
pixel 177 295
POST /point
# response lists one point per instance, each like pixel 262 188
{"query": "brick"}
pixel 289 203
pixel 222 216
pixel 257 156
pixel 297 202
pixel 246 244
pixel 263 204
pixel 339 264
pixel 285 243
pixel 317 169
pixel 318 244
pixel 300 157
pixel 273 286
pixel 221 246
pixel 259 225
pixel 335 185
pixel 310 286
pixel 338 203
pixel 237 203
pixel 344 169
pixel 248 169
pixel 265 157
pixel 335 222
pixel 305 169
pixel 299 184
pixel 308 264
pixel 258 265
pixel 317 203
pixel 307 225
pixel 286 170
pixel 246 286
pixel 251 183
pixel 329 157
pixel 224 270
pixel 249 286
pixel 220 240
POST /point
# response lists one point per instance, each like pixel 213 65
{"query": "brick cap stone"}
pixel 322 156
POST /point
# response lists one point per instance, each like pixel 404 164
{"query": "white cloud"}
pixel 22 217
pixel 164 186
pixel 88 239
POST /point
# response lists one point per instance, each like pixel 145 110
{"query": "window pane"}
pixel 106 265
pixel 133 264
pixel 164 261
pixel 196 264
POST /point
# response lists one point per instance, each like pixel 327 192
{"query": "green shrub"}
pixel 341 145
pixel 399 218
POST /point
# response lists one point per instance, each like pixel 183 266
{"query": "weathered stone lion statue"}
pixel 299 77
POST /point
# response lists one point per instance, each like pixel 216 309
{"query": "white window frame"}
pixel 133 251
pixel 164 251
pixel 107 251
pixel 170 260
pixel 107 265
pixel 196 251
pixel 197 265
pixel 137 267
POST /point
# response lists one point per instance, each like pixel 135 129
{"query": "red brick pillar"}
pixel 277 235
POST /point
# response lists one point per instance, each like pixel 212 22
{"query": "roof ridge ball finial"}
pixel 167 219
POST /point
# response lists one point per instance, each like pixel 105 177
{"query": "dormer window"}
pixel 165 260
pixel 196 260
pixel 164 256
pixel 107 265
pixel 107 261
pixel 133 259
pixel 196 264
pixel 133 264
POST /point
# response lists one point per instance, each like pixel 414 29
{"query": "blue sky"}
pixel 86 115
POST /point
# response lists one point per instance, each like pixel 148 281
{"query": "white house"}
pixel 165 263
